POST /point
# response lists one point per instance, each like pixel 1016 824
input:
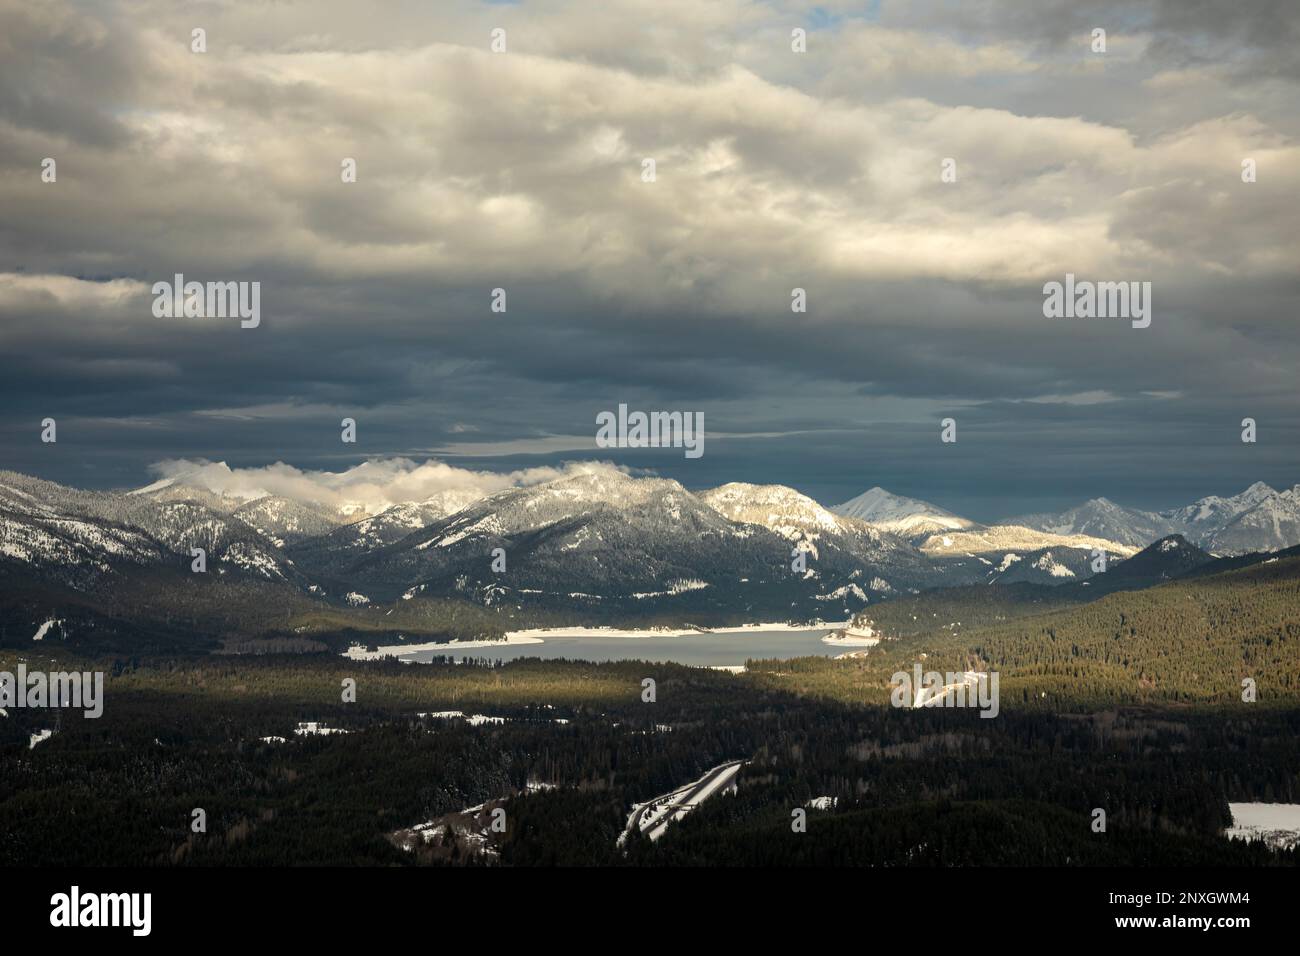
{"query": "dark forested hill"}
pixel 1192 641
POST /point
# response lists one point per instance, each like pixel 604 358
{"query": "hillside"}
pixel 1188 641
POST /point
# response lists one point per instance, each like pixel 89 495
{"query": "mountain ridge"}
pixel 596 546
pixel 1258 517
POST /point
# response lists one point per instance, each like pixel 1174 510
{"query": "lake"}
pixel 712 649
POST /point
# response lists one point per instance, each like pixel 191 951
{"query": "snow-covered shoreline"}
pixel 852 637
pixel 358 653
pixel 541 633
pixel 850 641
pixel 1276 824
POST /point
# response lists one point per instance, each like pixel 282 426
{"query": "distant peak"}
pixel 896 512
pixel 1259 488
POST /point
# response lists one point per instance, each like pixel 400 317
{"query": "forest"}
pixel 910 786
pixel 1131 704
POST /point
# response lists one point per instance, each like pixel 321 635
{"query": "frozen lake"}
pixel 1277 824
pixel 712 649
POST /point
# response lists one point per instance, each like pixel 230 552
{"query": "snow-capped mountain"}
pixel 609 539
pixel 212 500
pixel 598 535
pixel 600 543
pixel 1258 519
pixel 79 537
pixel 1270 525
pixel 905 516
pixel 612 522
pixel 1101 518
pixel 808 525
pixel 215 485
pixel 778 507
pixel 285 521
pixel 391 525
pixel 1211 513
pixel 68 548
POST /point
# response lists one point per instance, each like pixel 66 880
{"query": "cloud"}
pixel 68 295
pixel 479 167
pixel 521 170
pixel 375 484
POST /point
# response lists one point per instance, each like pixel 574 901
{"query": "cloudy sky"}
pixel 522 170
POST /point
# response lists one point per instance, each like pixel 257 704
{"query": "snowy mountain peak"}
pixel 603 489
pixel 768 505
pixel 907 516
pixel 1101 518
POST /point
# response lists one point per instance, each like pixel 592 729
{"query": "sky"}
pixel 522 170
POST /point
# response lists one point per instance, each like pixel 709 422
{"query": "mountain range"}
pixel 597 547
pixel 1258 519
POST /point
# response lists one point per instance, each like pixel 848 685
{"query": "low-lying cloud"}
pixel 373 485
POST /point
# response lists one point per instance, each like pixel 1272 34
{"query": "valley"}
pixel 502 719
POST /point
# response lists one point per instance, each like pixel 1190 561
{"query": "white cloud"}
pixel 375 485
pixel 30 292
pixel 473 165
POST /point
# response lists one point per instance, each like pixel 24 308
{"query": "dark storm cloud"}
pixel 46 53
pixel 523 171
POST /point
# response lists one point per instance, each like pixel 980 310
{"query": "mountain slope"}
pixel 834 541
pixel 610 543
pixel 80 537
pixel 1168 559
pixel 1004 598
pixel 350 541
pixel 996 539
pixel 1186 641
pixel 285 521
